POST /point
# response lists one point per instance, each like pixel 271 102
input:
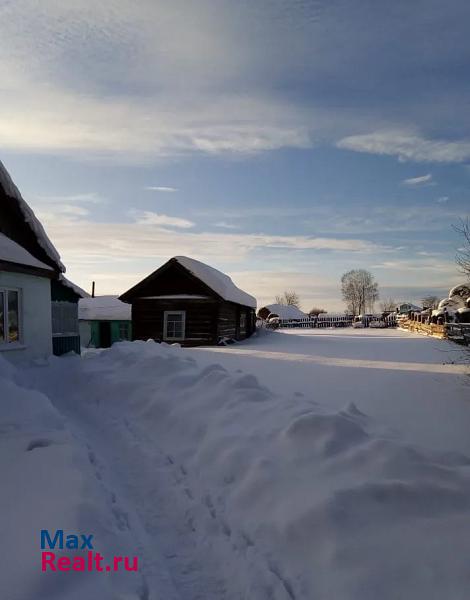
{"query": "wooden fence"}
pixel 457 332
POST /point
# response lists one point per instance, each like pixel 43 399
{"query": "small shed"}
pixel 406 307
pixel 104 320
pixel 282 311
pixel 189 302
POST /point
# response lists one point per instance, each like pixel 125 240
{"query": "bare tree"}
pixel 463 254
pixel 289 298
pixel 430 301
pixel 388 305
pixel 317 311
pixel 360 291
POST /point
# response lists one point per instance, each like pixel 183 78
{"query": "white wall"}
pixel 85 333
pixel 35 323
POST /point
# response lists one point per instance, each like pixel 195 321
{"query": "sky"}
pixel 284 142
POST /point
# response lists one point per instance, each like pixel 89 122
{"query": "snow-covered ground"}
pixel 324 464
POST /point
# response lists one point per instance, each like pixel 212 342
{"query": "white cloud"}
pixel 419 181
pixel 88 197
pixel 152 218
pixel 160 188
pixel 225 225
pixel 442 199
pixel 408 146
pixel 134 83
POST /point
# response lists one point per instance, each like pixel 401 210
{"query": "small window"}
pixel 123 331
pixel 174 324
pixel 243 322
pixel 9 317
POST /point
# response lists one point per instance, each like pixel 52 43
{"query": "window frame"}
pixel 5 344
pixel 166 314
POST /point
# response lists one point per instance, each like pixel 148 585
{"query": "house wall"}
pixel 84 328
pixel 90 333
pixel 206 321
pixel 35 323
pixel 200 321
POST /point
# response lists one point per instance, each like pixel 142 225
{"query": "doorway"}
pixel 105 334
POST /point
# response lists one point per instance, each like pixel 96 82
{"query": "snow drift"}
pixel 275 497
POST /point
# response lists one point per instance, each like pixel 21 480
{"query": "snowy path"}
pixel 150 497
pixel 403 380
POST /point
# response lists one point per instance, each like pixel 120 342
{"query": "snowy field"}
pixel 305 464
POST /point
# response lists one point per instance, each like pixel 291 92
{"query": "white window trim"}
pixel 18 345
pixel 165 324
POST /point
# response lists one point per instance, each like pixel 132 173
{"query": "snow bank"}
pixel 284 500
pixel 49 481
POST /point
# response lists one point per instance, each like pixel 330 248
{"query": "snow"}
pixel 10 251
pixel 30 218
pixel 217 281
pixel 74 287
pixel 175 297
pixel 103 308
pixel 286 312
pixel 339 471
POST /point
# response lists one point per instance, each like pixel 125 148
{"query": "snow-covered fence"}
pixel 337 320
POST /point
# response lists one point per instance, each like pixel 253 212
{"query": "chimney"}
pixel 92 289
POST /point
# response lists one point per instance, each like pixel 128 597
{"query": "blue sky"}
pixel 283 142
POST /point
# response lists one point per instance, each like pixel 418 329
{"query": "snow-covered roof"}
pixel 12 252
pixel 409 306
pixel 78 290
pixel 217 281
pixel 103 308
pixel 284 311
pixel 462 290
pixel 30 218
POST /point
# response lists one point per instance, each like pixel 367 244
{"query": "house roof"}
pixel 214 280
pixel 30 219
pixel 75 288
pixel 103 308
pixel 284 311
pixel 217 281
pixel 12 252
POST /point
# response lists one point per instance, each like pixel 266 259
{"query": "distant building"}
pixel 104 320
pixel 406 307
pixel 282 311
pixel 189 302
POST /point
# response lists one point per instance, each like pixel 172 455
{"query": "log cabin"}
pixel 189 302
pixel 38 305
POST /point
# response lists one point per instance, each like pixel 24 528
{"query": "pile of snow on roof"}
pixel 217 281
pixel 74 287
pixel 30 218
pixel 12 252
pixel 103 308
pixel 284 311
